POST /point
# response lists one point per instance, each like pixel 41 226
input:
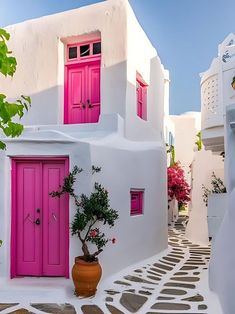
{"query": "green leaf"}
pixel 10 110
pixel 4 34
pixel 2 147
pixel 26 98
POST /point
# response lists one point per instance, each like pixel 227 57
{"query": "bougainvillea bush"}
pixel 178 188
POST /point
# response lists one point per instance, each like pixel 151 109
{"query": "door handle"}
pixel 89 103
pixel 37 221
pixel 83 105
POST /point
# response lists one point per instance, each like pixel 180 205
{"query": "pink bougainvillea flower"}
pixel 178 187
pixel 93 233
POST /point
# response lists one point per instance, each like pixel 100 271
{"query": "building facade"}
pixel 99 93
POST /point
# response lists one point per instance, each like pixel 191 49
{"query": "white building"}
pixel 198 167
pixel 218 98
pixel 216 94
pixel 187 126
pixel 99 93
pixel 181 131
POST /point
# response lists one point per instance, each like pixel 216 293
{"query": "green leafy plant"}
pixel 91 212
pixel 199 141
pixel 217 187
pixel 10 110
pixel 170 149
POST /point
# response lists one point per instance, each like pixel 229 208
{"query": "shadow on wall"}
pixel 117 96
pixel 46 107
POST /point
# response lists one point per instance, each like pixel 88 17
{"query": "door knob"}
pixel 37 221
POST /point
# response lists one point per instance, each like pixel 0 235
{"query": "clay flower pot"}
pixel 86 276
pixel 233 83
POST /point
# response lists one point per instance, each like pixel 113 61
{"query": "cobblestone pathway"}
pixel 171 284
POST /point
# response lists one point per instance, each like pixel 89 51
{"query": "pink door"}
pixel 82 93
pixel 40 229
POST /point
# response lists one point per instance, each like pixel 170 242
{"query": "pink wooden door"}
pixel 28 234
pixel 55 221
pixel 76 88
pixel 93 93
pixel 41 224
pixel 82 93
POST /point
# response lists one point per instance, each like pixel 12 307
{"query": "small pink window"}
pixel 80 51
pixel 137 197
pixel 141 96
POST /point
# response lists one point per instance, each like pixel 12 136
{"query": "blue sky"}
pixel 186 34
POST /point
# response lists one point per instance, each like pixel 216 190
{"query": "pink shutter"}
pixel 141 95
pixel 136 202
pixel 144 102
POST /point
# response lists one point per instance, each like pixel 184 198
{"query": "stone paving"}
pixel 170 284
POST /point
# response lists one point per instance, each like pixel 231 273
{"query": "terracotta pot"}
pixel 86 277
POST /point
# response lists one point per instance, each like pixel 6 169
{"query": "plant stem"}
pixel 89 229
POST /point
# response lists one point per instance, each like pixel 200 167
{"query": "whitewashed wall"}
pixel 217 93
pixel 204 164
pixel 39 47
pixel 125 165
pixel 187 126
pixel 221 270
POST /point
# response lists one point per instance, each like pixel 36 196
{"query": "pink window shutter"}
pixel 141 96
pixel 136 202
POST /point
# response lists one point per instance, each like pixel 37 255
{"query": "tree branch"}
pixel 89 228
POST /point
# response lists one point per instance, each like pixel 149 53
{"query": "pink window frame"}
pixel 80 59
pixel 141 112
pixel 140 200
pixel 14 161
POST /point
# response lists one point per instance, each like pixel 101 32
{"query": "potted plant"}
pixel 233 83
pixel 215 200
pixel 91 212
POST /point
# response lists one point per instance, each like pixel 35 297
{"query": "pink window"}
pixel 137 197
pixel 141 96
